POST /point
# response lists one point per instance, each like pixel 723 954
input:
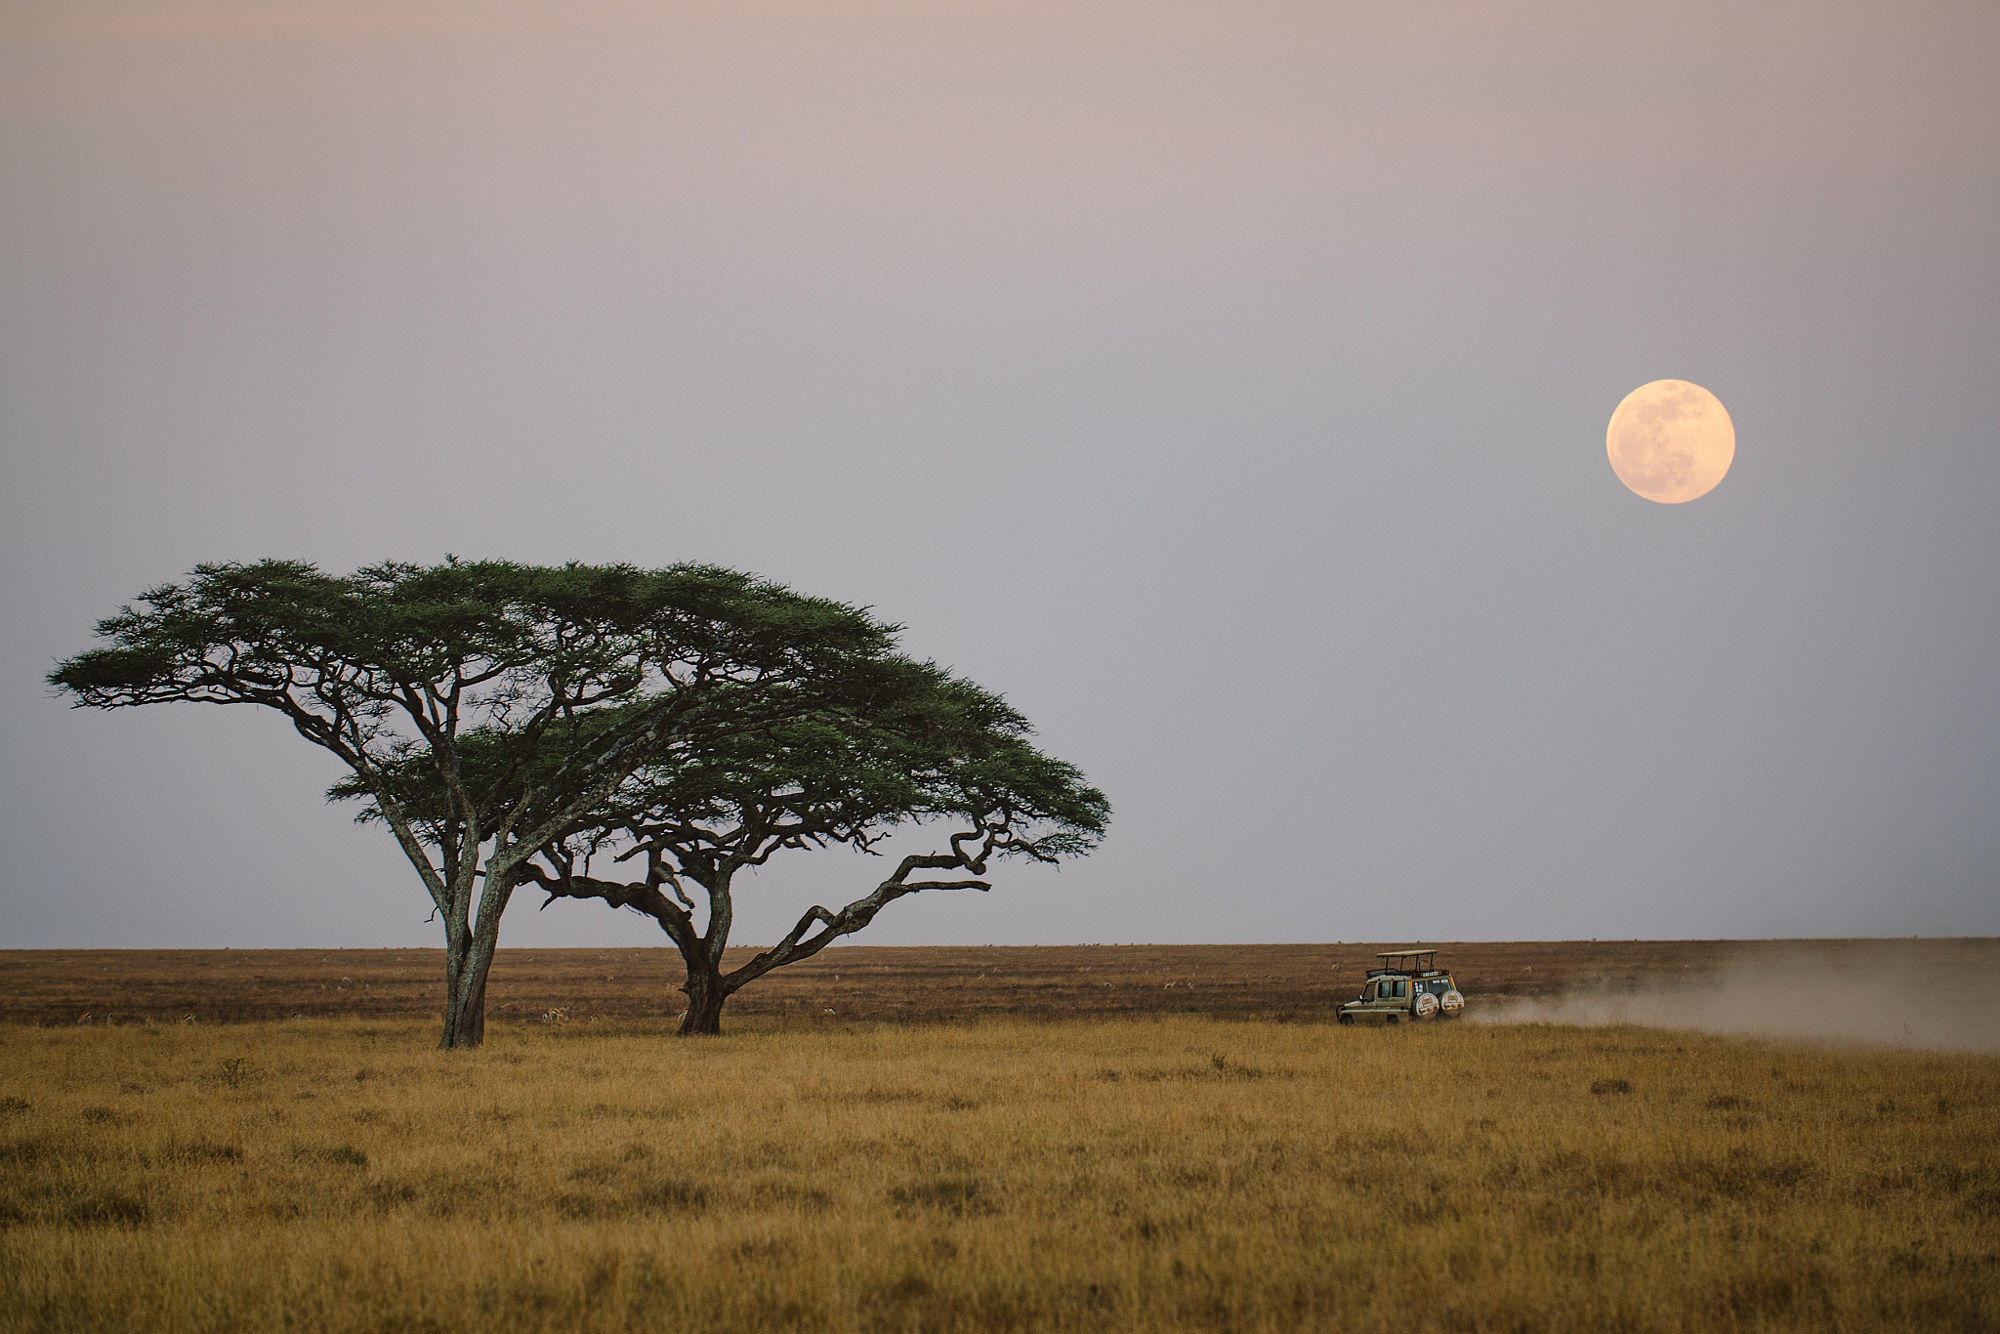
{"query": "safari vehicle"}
pixel 1408 985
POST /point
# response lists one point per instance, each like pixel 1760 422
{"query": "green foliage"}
pixel 393 663
pixel 843 757
pixel 921 745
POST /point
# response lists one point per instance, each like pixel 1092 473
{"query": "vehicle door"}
pixel 1371 1000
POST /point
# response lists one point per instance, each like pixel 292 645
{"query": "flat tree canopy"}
pixel 921 747
pixel 575 679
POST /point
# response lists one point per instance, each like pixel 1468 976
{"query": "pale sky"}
pixel 1224 384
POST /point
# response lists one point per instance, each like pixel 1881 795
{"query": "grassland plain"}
pixel 1160 1173
pixel 913 983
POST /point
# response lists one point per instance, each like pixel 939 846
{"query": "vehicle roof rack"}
pixel 1420 961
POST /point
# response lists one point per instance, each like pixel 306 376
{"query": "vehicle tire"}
pixel 1424 1006
pixel 1346 1021
pixel 1391 1018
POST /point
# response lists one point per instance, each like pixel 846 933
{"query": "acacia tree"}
pixel 573 678
pixel 925 748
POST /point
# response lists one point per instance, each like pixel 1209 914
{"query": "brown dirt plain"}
pixel 911 984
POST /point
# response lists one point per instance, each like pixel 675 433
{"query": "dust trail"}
pixel 1885 1000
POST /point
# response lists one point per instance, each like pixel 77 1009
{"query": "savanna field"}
pixel 1127 1173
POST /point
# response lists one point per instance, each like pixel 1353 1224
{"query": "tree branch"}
pixel 798 945
pixel 643 898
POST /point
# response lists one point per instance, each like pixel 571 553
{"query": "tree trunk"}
pixel 706 991
pixel 468 958
pixel 465 1007
pixel 705 994
pixel 464 995
pixel 457 952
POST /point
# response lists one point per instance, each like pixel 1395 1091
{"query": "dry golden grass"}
pixel 1179 1173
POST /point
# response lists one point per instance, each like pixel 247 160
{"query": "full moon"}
pixel 1671 441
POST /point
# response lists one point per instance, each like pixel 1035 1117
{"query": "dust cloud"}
pixel 1902 1002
